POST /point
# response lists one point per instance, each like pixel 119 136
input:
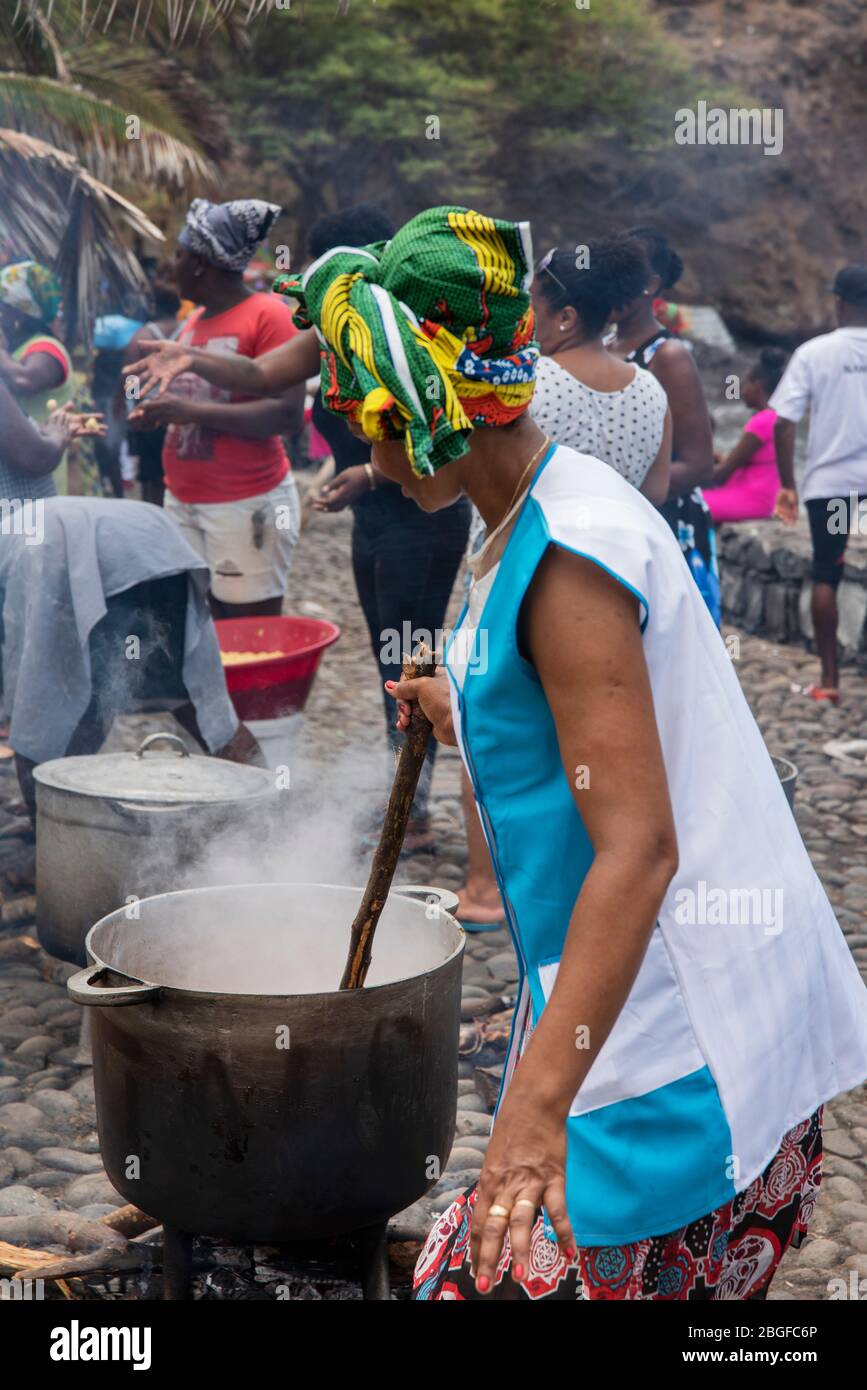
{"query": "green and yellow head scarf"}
pixel 428 335
pixel 31 289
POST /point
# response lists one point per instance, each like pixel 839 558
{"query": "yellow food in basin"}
pixel 244 658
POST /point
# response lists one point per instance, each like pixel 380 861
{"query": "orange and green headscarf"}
pixel 427 336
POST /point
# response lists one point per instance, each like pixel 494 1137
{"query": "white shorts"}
pixel 247 545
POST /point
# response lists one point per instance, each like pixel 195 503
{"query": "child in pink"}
pixel 746 481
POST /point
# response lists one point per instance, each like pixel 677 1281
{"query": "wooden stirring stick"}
pixel 387 852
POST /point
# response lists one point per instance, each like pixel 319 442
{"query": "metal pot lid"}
pixel 156 776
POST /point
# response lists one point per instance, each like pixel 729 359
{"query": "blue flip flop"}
pixel 470 926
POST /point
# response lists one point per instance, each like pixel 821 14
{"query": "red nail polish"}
pixel 570 1253
pixel 483 1283
pixel 519 1272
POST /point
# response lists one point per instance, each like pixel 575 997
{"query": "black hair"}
pixel 166 300
pixel 664 261
pixel 769 368
pixel 355 226
pixel 615 272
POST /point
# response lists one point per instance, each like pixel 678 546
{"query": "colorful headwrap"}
pixel 428 335
pixel 31 289
pixel 227 234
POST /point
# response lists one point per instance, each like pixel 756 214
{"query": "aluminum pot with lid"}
pixel 114 827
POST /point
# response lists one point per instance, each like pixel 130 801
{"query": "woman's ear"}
pixel 569 320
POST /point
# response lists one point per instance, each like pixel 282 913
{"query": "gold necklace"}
pixel 515 494
pixel 475 560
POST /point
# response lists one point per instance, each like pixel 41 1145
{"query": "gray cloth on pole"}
pixel 55 585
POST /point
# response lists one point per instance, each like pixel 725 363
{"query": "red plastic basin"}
pixel 276 685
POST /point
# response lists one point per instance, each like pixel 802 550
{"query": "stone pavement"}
pixel 49 1159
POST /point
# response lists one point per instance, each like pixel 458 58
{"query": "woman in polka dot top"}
pixel 585 396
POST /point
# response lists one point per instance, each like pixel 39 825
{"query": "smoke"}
pixel 311 832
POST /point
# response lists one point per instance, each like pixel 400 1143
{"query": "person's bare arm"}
pixel 581 629
pixel 24 447
pixel 37 451
pixel 739 457
pixel 252 419
pixel 657 478
pixel 784 442
pixel 273 373
pixel 257 419
pixel 39 371
pixel 692 443
pixel 786 507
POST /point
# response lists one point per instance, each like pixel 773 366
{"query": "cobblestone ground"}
pixel 49 1152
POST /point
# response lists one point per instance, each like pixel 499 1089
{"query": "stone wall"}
pixel 765 573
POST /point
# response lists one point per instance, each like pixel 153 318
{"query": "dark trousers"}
pixel 405 564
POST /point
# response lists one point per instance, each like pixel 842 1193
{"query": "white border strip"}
pixel 326 256
pixel 395 343
pixel 526 236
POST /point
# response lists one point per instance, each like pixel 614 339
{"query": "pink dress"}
pixel 750 493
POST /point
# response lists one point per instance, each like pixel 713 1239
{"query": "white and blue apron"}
pixel 748 1011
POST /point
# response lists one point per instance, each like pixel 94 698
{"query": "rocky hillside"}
pixel 762 235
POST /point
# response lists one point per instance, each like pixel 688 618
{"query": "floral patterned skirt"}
pixel 732 1253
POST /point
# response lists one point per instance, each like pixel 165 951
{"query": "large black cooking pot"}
pixel 241 1094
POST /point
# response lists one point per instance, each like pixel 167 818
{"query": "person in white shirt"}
pixel 828 377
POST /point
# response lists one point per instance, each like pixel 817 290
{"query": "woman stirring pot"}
pixel 660 1134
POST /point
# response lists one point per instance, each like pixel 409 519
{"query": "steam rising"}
pixel 260 943
pixel 313 836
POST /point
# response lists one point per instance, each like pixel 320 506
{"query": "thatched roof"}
pixel 64 217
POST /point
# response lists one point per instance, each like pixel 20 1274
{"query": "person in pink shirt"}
pixel 746 480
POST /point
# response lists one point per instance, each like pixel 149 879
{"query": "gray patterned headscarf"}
pixel 227 234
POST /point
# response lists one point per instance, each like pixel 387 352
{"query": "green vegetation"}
pixel 523 97
pixel 524 107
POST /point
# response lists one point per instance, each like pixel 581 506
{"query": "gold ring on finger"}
pixel 525 1202
pixel 497 1210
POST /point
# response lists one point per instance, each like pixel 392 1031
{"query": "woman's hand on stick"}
pixel 432 694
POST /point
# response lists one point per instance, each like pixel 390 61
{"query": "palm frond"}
pixel 167 96
pixel 59 214
pixel 165 22
pixel 114 144
pixel 34 44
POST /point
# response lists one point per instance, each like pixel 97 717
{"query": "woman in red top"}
pixel 228 484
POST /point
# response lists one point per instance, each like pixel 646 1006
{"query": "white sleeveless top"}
pixel 748 1010
pixel 623 428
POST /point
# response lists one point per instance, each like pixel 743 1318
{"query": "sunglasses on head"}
pixel 544 268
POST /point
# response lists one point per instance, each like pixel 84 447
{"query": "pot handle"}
pixel 82 990
pixel 146 743
pixel 448 900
